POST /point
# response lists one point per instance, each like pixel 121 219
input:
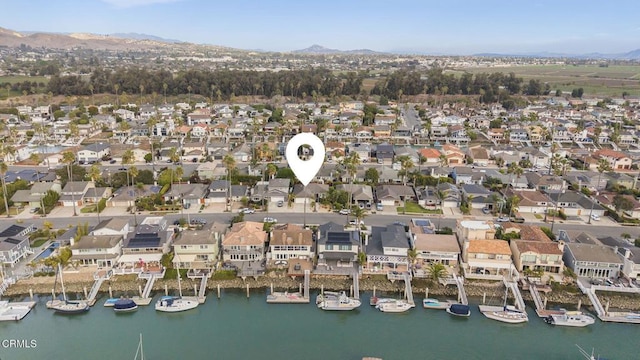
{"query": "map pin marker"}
pixel 305 170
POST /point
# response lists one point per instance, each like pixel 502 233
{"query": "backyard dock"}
pixel 513 286
pixel 299 297
pixel 462 295
pixel 603 311
pixel 99 277
pixel 14 311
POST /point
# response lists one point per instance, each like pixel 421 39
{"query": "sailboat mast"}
pixel 64 293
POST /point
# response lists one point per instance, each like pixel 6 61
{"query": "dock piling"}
pixel 374 291
pixel 110 292
pixel 53 294
pixel 166 290
pixel 545 302
pixel 195 290
pixel 579 304
pixel 271 288
pixel 84 289
pixel 218 291
pixel 31 294
pixel 140 290
pixel 426 292
pixel 247 290
pixel 484 298
pixel 300 288
pixel 606 308
pixel 351 290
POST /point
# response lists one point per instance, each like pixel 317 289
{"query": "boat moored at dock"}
pixel 341 302
pixel 175 304
pixel 395 306
pixel 570 318
pixel 506 314
pixel 461 310
pixel 14 311
pixel 125 305
pixel 431 303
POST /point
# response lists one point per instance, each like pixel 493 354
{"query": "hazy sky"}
pixel 433 26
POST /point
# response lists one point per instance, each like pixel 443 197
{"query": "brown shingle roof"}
pixel 527 232
pixel 538 247
pixel 291 235
pixel 245 233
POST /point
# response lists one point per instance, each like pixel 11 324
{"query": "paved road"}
pixel 598 230
pixel 411 118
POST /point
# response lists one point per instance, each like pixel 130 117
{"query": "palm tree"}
pixel 69 158
pixel 95 174
pixel 406 164
pixel 516 170
pixel 603 165
pixel 436 271
pixel 179 174
pixel 230 163
pixel 513 204
pixel 351 163
pixel 443 161
pixel 3 172
pixel 359 214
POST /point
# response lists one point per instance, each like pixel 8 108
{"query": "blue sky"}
pixel 431 26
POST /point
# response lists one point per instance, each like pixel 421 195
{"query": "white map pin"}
pixel 305 170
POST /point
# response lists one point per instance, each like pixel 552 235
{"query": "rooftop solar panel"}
pixel 13 241
pixel 339 237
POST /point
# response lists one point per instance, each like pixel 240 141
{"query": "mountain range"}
pixel 136 41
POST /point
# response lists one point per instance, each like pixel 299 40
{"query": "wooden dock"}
pixel 299 297
pixel 14 311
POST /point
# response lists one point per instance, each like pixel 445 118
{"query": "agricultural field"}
pixel 595 80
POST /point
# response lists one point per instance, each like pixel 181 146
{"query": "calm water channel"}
pixel 235 327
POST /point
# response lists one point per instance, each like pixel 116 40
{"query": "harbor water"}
pixel 237 327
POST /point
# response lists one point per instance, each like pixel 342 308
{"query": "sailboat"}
pixel 176 304
pixel 140 350
pixel 67 306
pixel 505 313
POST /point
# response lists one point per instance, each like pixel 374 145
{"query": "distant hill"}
pixel 137 36
pixel 319 50
pixel 631 55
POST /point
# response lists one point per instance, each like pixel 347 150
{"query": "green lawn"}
pixel 411 207
pixel 39 242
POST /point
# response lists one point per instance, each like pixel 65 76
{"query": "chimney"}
pixel 627 253
pixel 72 241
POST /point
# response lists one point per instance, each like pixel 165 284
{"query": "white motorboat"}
pixel 395 306
pixel 570 318
pixel 431 303
pixel 507 314
pixel 175 304
pixel 341 303
pixel 375 301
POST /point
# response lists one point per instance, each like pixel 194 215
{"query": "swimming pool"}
pixel 48 251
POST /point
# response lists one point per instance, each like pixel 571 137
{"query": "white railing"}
pixel 516 293
pixel 461 292
pixel 537 300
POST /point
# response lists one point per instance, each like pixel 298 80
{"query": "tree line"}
pixel 224 84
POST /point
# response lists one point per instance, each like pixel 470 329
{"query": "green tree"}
pixel 69 158
pixel 95 173
pixel 3 172
pixel 436 271
pixel 371 176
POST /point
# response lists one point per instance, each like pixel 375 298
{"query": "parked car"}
pixel 595 217
pixel 379 207
pixel 355 222
pixel 270 220
pixel 112 161
pixel 280 203
pixel 198 221
pixel 345 212
pixel 517 219
pixel 34 210
pixel 486 210
pixel 503 219
pixel 246 211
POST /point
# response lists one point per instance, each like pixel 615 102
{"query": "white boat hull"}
pixel 397 306
pixel 436 304
pixel 505 315
pixel 570 319
pixel 175 305
pixel 330 302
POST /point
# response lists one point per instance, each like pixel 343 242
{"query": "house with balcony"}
pixel 435 248
pixel 545 256
pixel 112 226
pixel 14 244
pixel 486 259
pixel 102 251
pixel 629 254
pixel 291 242
pixel 244 243
pixel 196 250
pixel 592 260
pixel 387 249
pixel 74 191
pixel 337 249
pixel 616 159
pixel 144 246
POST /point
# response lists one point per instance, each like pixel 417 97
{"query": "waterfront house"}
pixel 245 241
pixel 144 246
pixel 14 244
pixel 543 256
pixel 629 254
pixel 196 250
pixel 592 260
pixel 337 249
pixel 486 259
pixel 387 249
pixel 100 250
pixel 289 242
pixel 475 230
pixel 435 248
